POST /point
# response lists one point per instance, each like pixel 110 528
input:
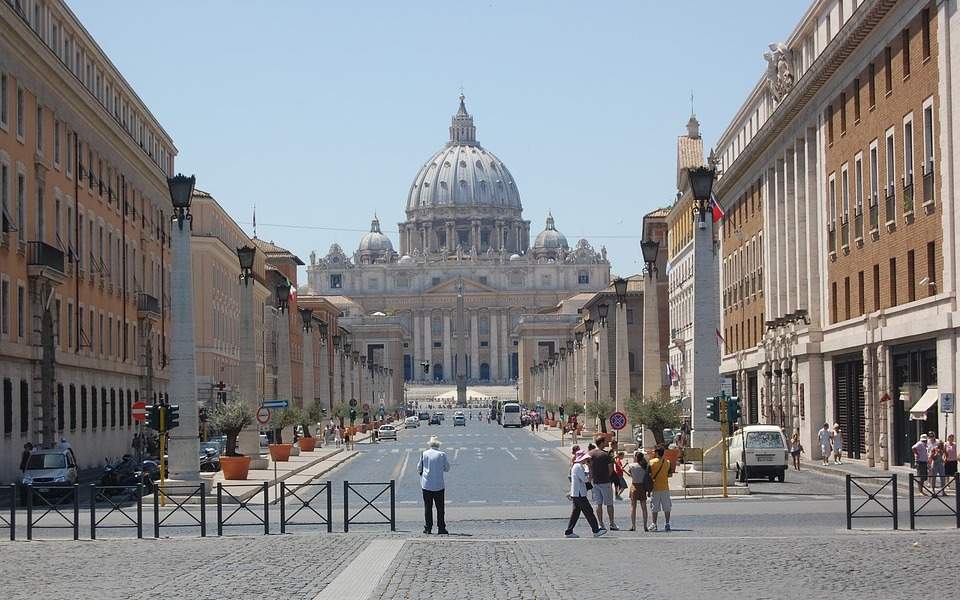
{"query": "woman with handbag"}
pixel 639 472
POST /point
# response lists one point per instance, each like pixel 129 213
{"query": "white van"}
pixel 511 415
pixel 759 451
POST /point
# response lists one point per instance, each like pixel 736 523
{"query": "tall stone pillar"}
pixel 474 372
pixel 705 353
pixel 249 439
pixel 652 367
pixel 284 374
pixel 428 344
pixel 307 381
pixel 184 450
pixel 494 348
pixel 622 375
pixel 589 365
pixel 336 385
pixel 447 346
pixel 869 421
pixel 323 365
pixel 603 367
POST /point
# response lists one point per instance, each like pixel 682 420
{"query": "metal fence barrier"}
pixel 181 505
pixel 936 493
pixel 871 499
pixel 9 520
pixel 68 497
pixel 108 494
pixel 349 519
pixel 302 494
pixel 242 507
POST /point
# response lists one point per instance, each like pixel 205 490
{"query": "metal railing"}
pixel 874 214
pixel 68 497
pixel 890 206
pixel 148 304
pixel 858 224
pixel 181 504
pixel 9 520
pixel 928 192
pixel 242 507
pixel 108 494
pixel 349 519
pixel 305 495
pixel 936 494
pixel 908 197
pixel 845 234
pixel 42 254
pixel 871 498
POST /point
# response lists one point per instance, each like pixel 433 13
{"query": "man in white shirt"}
pixel 432 465
pixel 826 447
pixel 920 454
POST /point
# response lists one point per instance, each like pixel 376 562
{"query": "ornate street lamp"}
pixel 563 352
pixel 336 340
pixel 323 332
pixel 307 315
pixel 569 346
pixel 181 193
pixel 346 348
pixel 355 355
pixel 602 310
pixel 588 325
pixel 620 288
pixel 246 254
pixel 701 184
pixel 579 336
pixel 283 294
pixel 650 249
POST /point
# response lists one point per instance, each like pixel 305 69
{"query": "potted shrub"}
pixel 657 413
pixel 229 419
pixel 286 417
pixel 308 417
pixel 600 410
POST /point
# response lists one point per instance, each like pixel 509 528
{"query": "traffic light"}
pixel 353 415
pixel 203 415
pixel 153 417
pixel 173 416
pixel 713 408
pixel 561 412
pixel 733 409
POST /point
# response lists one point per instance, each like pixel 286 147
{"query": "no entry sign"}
pixel 263 415
pixel 139 411
pixel 618 420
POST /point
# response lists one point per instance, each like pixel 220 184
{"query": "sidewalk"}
pixel 859 468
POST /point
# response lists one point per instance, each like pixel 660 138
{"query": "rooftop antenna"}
pixel 254 220
pixel 692 113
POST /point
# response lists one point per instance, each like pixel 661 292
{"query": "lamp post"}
pixel 184 458
pixel 589 365
pixel 307 383
pixel 603 360
pixel 248 442
pixel 652 372
pixel 701 184
pixel 281 293
pixel 622 358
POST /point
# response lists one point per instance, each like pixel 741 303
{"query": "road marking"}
pixel 408 501
pixel 363 574
pixel 456 454
pixel 507 450
pixel 406 458
pixel 511 502
pixel 395 451
pixel 476 502
pixel 488 448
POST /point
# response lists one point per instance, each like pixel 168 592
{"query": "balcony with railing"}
pixel 858 225
pixel 908 198
pixel 928 192
pixel 148 307
pixel 874 215
pixel 890 208
pixel 845 235
pixel 44 260
pixel 832 239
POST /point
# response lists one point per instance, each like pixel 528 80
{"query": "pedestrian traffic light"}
pixel 353 415
pixel 733 409
pixel 713 408
pixel 561 412
pixel 203 415
pixel 152 419
pixel 173 416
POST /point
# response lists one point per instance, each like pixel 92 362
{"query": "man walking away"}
pixel 920 457
pixel 432 465
pixel 601 474
pixel 578 495
pixel 660 469
pixel 25 456
pixel 826 448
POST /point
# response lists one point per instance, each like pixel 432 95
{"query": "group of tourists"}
pixel 831 444
pixel 935 458
pixel 600 469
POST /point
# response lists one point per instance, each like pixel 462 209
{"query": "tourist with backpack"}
pixel 641 485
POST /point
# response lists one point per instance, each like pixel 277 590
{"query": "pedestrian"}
pixel 837 441
pixel 936 461
pixel 796 449
pixel 573 453
pixel 432 465
pixel 619 481
pixel 660 469
pixel 920 457
pixel 826 448
pixel 601 476
pixel 574 431
pixel 932 443
pixel 25 456
pixel 950 456
pixel 578 496
pixel 639 480
pixel 336 436
pixel 65 445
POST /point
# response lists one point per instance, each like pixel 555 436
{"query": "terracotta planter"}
pixel 280 452
pixel 235 467
pixel 671 454
pixel 308 444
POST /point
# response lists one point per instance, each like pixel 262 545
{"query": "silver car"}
pixel 50 469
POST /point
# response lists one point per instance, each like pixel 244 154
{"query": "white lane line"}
pixel 364 572
pixel 406 459
pixel 489 448
pixel 456 454
pixel 408 502
pixel 476 501
pixel 507 450
pixel 511 502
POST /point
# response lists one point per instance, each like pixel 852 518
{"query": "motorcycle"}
pixel 209 460
pixel 127 472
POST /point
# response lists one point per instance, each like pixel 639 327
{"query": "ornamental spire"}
pixel 462 130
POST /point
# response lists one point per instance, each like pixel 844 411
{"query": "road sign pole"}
pixel 163 445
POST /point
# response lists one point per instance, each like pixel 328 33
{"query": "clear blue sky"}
pixel 321 113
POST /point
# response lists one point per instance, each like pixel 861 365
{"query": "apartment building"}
pixel 838 170
pixel 83 168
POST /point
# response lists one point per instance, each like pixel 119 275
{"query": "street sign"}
pixel 726 386
pixel 263 415
pixel 139 411
pixel 275 404
pixel 885 397
pixel 353 402
pixel 946 403
pixel 618 420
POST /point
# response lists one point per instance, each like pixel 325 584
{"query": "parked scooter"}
pixel 209 460
pixel 127 472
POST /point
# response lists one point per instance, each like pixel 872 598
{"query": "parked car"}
pixel 759 451
pixel 435 419
pixel 459 419
pixel 439 415
pixel 411 422
pixel 387 432
pixel 49 469
pixel 424 416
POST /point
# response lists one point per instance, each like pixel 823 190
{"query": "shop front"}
pixel 914 390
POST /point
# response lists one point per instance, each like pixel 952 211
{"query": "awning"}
pixel 928 399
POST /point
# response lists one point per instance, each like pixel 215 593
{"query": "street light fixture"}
pixel 602 310
pixel 701 184
pixel 579 336
pixel 620 288
pixel 336 340
pixel 323 331
pixel 246 254
pixel 563 352
pixel 569 346
pixel 346 348
pixel 588 325
pixel 307 315
pixel 181 192
pixel 650 249
pixel 283 294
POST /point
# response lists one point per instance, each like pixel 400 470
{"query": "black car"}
pixel 424 416
pixel 435 419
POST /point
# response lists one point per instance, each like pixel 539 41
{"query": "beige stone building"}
pixel 85 206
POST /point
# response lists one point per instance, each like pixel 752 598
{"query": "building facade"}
pixel 84 250
pixel 839 243
pixel 463 223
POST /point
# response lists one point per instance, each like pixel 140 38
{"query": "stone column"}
pixel 652 376
pixel 336 391
pixel 447 346
pixel 474 372
pixel 622 374
pixel 794 394
pixel 603 367
pixel 869 401
pixel 308 384
pixel 494 348
pixel 589 364
pixel 323 366
pixel 885 408
pixel 506 347
pixel 576 378
pixel 249 440
pixel 184 449
pixel 284 376
pixel 428 344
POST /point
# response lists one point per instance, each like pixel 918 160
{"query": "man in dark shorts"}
pixel 601 476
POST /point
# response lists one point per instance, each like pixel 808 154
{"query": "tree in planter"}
pixel 342 411
pixel 310 416
pixel 282 419
pixel 600 409
pixel 571 408
pixel 551 409
pixel 656 413
pixel 229 419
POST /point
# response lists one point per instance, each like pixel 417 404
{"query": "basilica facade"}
pixel 464 229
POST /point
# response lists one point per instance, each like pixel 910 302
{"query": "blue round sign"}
pixel 618 420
